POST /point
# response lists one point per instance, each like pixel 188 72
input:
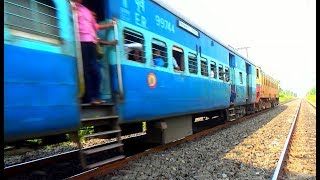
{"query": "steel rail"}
pixel 13 170
pixel 313 105
pixel 285 147
pixel 108 168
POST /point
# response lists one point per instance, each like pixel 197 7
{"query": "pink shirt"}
pixel 87 25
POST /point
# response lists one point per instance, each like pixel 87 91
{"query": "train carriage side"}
pixel 40 70
pixel 258 84
pixel 239 81
pixel 267 91
pixel 243 86
pixel 152 92
pixel 251 87
pixel 245 82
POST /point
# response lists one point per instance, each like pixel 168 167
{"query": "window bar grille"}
pixel 45 5
pixel 32 30
pixel 31 9
pixel 32 20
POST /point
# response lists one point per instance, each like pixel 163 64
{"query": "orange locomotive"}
pixel 267 90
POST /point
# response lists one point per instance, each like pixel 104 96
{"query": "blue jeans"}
pixel 91 70
pixel 232 97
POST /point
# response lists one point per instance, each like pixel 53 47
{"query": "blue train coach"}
pixel 165 70
pixel 207 72
pixel 40 69
pixel 43 73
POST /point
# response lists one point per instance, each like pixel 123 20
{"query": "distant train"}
pixel 43 76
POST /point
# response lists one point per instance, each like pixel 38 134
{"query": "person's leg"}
pixel 85 46
pixel 95 74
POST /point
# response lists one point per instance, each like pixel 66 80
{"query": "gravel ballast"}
pixel 248 150
pixel 301 163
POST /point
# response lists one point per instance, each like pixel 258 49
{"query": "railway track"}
pixel 284 152
pixel 58 158
pixel 100 171
pixel 312 104
pixel 19 168
pixel 297 159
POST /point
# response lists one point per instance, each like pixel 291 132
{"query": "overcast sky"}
pixel 281 34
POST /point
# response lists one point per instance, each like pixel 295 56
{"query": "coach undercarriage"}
pixel 265 103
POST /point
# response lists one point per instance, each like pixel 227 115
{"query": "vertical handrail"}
pixel 78 53
pixel 119 72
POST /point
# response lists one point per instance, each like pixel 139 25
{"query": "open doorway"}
pixel 97 7
pixel 249 81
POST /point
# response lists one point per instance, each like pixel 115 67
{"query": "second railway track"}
pixel 298 158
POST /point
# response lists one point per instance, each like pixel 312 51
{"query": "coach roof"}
pixel 172 10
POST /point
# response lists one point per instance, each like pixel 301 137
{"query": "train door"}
pixel 232 78
pixel 248 79
pixel 98 7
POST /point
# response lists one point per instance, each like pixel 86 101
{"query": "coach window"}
pixel 193 65
pixel 269 82
pixel 213 70
pixel 159 52
pixel 240 77
pixel 204 67
pixel 33 19
pixel 257 73
pixel 265 81
pixel 227 74
pixel 134 46
pixel 177 54
pixel 221 73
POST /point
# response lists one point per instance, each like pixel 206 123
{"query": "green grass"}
pixel 85 131
pixel 311 98
pixel 311 95
pixel 144 126
pixel 37 141
pixel 283 97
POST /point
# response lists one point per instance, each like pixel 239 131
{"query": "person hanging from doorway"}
pixel 88 28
